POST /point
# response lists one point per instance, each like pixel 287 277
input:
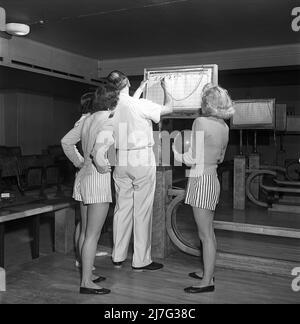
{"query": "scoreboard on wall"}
pixel 187 83
pixel 254 114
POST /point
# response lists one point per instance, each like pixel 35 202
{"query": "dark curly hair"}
pixel 86 102
pixel 106 97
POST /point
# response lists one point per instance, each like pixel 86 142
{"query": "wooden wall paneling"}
pixel 2 125
pixel 35 122
pixel 65 114
pixel 11 119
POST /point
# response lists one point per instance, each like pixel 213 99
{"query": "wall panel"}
pixel 65 114
pixel 11 119
pixel 34 121
pixel 2 129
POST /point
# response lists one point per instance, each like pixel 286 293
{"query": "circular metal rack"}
pixel 172 228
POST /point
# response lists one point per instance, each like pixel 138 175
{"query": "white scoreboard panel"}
pixel 187 83
pixel 254 114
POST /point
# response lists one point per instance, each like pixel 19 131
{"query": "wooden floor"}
pixel 54 279
pixel 245 243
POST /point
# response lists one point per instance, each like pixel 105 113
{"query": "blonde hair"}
pixel 216 102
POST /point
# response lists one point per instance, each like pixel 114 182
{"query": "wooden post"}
pixel 254 164
pixel 2 244
pixel 239 190
pixel 36 237
pixel 225 180
pixel 2 280
pixel 64 230
pixel 281 153
pixel 161 244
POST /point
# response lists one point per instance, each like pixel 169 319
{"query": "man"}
pixel 135 172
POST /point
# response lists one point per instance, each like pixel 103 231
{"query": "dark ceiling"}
pixel 108 29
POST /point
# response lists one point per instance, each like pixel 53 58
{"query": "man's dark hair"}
pixel 118 79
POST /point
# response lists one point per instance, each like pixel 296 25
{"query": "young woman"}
pixel 68 143
pixel 210 136
pixel 92 185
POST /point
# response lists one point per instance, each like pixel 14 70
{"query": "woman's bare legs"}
pixel 80 232
pixel 76 240
pixel 204 220
pixel 83 224
pixel 96 215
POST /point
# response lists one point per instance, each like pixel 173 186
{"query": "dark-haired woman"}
pixel 69 142
pixel 93 182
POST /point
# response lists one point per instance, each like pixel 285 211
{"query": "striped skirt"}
pixel 92 187
pixel 203 192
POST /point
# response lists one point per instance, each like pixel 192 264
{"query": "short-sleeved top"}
pixel 132 122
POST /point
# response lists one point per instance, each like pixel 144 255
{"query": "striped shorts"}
pixel 93 187
pixel 203 192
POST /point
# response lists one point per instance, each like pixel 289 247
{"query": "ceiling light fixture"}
pixel 15 29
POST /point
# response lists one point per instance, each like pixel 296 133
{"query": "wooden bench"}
pixel 64 215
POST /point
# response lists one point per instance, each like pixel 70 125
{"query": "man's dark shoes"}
pixel 151 267
pixel 117 265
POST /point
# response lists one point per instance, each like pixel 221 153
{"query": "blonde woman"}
pixel 210 136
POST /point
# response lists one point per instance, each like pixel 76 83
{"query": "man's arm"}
pixel 140 90
pixel 167 107
pixel 154 111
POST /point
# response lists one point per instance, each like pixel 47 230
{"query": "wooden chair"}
pixel 1 182
pixel 33 180
pixel 53 178
pixel 15 151
pixel 4 151
pixel 56 151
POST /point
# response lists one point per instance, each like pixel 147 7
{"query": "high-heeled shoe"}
pixel 199 290
pixel 99 279
pixel 91 291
